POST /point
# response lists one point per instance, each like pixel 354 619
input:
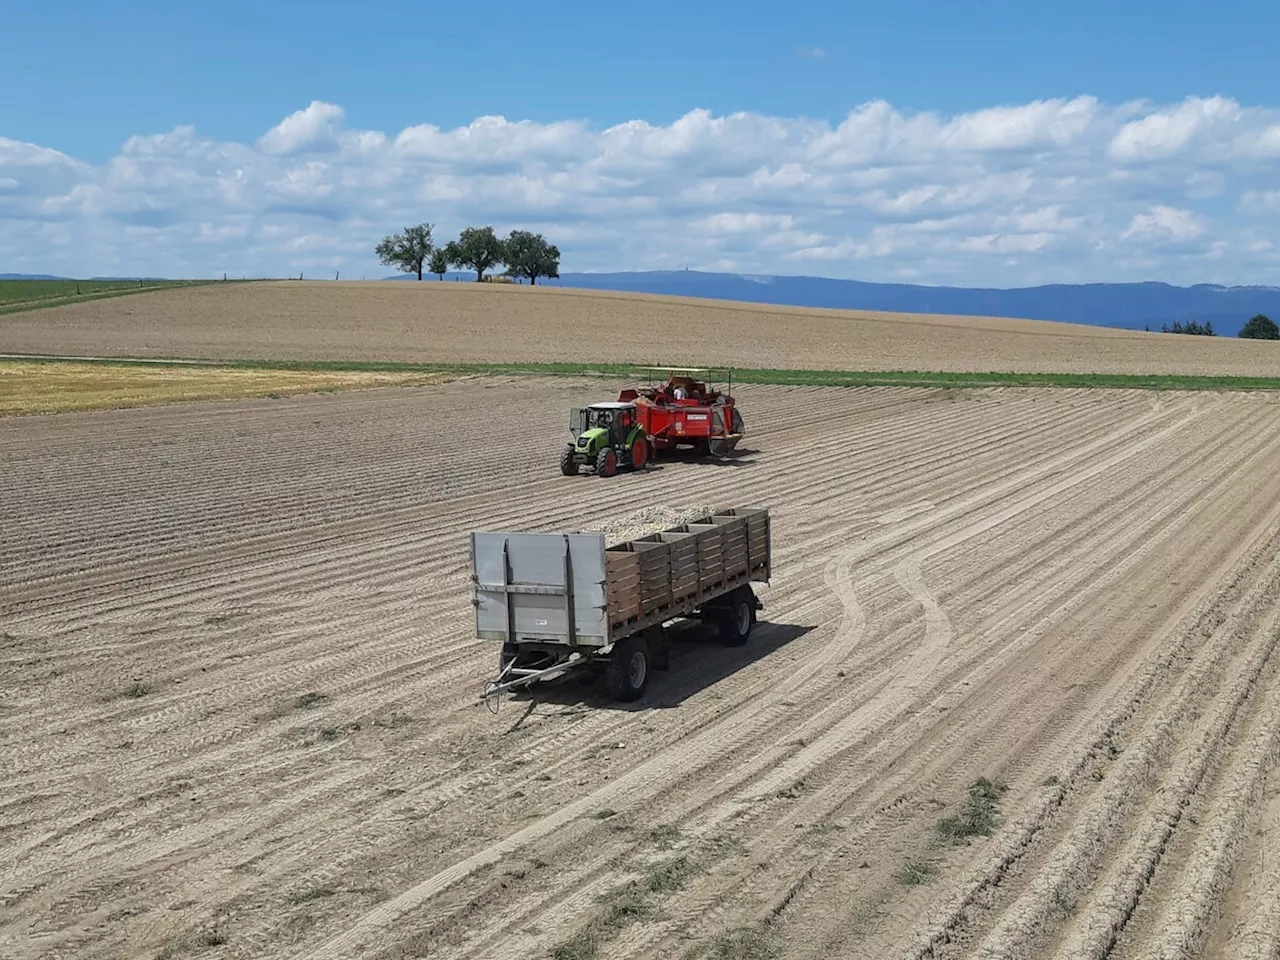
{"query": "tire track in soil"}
pixel 361 585
pixel 1051 885
pixel 758 715
pixel 685 898
pixel 805 813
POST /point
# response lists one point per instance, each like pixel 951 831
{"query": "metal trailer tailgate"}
pixel 540 586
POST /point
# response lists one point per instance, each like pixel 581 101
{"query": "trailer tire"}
pixel 735 621
pixel 567 465
pixel 627 674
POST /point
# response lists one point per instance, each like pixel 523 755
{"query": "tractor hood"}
pixel 593 438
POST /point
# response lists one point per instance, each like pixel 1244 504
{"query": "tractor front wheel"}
pixel 639 453
pixel 606 462
pixel 567 465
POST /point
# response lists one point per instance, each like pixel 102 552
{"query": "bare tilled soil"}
pixel 481 323
pixel 1014 691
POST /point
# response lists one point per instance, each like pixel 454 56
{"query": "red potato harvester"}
pixel 686 411
pixel 622 434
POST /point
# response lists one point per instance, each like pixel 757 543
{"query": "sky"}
pixel 967 143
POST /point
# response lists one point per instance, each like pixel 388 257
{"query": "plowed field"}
pixel 240 713
pixel 484 323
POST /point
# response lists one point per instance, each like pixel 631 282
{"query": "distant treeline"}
pixel 1260 327
pixel 527 256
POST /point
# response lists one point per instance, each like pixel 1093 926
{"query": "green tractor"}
pixel 606 436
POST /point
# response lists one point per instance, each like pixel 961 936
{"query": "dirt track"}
pixel 240 719
pixel 429 322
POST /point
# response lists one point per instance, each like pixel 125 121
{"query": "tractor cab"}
pixel 605 436
pixel 615 419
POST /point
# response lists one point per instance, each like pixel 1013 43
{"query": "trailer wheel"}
pixel 567 465
pixel 627 674
pixel 735 621
pixel 606 462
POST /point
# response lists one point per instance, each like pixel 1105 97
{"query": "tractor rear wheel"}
pixel 606 462
pixel 639 453
pixel 627 674
pixel 567 465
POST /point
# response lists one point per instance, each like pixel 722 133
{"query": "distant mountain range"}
pixel 1127 305
pixel 1132 306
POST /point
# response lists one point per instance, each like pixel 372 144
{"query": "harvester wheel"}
pixel 606 462
pixel 735 621
pixel 640 453
pixel 627 674
pixel 567 466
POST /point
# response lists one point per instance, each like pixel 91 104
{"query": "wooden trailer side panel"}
pixel 622 584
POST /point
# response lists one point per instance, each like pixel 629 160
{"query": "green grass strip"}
pixel 20 296
pixel 808 378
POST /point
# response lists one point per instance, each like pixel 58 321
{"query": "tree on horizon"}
pixel 478 248
pixel 529 256
pixel 1260 327
pixel 406 251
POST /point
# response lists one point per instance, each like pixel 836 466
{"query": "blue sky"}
pixel 199 86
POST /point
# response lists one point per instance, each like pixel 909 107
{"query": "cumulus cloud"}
pixel 1052 190
pixel 313 127
pixel 1165 224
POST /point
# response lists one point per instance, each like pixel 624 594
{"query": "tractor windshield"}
pixel 600 418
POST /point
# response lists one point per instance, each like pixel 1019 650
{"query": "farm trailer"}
pixel 563 601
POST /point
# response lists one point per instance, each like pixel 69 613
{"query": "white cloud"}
pixel 1045 123
pixel 1053 190
pixel 1165 223
pixel 310 128
pixel 1167 132
pixel 1260 201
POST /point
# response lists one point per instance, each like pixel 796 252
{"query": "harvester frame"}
pixel 687 411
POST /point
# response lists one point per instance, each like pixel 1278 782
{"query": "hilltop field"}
pixel 1014 691
pixel 468 322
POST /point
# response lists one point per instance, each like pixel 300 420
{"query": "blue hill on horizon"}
pixel 1133 306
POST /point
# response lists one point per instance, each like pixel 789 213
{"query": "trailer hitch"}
pixel 521 676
